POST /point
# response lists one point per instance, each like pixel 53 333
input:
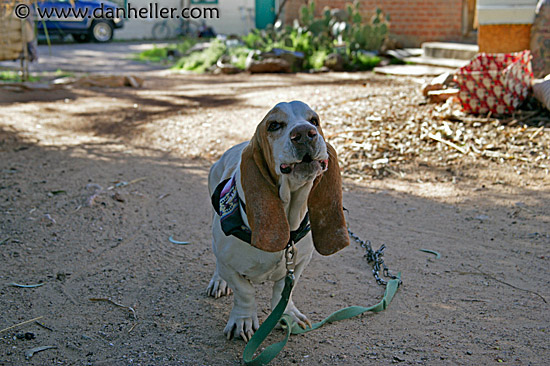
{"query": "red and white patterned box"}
pixel 494 82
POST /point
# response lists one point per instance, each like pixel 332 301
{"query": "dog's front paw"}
pixel 217 287
pixel 243 327
pixel 297 316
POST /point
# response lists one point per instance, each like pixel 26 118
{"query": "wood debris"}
pixel 129 308
pixel 440 96
pixel 20 324
pixel 376 136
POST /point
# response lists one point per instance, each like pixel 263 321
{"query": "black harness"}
pixel 227 203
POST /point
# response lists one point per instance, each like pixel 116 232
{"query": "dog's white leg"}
pixel 217 286
pixel 291 309
pixel 243 319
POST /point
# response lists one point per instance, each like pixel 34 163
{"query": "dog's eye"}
pixel 274 126
pixel 314 121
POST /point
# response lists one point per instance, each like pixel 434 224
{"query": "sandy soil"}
pixel 94 181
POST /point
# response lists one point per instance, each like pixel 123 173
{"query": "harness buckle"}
pixel 290 256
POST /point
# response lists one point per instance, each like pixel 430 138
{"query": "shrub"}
pixel 345 31
pixel 200 61
pixel 160 54
pixel 238 56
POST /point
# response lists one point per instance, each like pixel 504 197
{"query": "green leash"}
pixel 290 327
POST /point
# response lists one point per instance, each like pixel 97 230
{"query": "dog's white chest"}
pixel 257 265
pixel 265 268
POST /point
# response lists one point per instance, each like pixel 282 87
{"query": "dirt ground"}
pixel 94 181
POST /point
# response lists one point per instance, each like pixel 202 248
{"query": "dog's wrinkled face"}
pixel 299 150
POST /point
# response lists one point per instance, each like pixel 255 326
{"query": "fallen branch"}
pixel 348 131
pixel 526 116
pixel 490 276
pixel 132 327
pixel 19 324
pixel 536 133
pixel 448 143
pixel 474 300
pixel 129 308
pixel 43 326
pixel 123 184
pixel 400 174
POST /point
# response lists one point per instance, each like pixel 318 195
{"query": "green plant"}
pixel 366 35
pixel 364 62
pixel 396 61
pixel 156 54
pixel 317 59
pixel 200 61
pixel 8 76
pixel 160 54
pixel 344 31
pixel 238 56
pixel 255 40
pixel 63 74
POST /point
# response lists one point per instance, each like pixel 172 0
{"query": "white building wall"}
pixel 506 11
pixel 235 17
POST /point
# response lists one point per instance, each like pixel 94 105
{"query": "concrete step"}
pixel 411 70
pixel 451 63
pixel 405 52
pixel 438 54
pixel 459 51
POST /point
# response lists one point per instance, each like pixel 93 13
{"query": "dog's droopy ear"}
pixel 326 212
pixel 264 208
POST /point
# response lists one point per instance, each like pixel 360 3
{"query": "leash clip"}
pixel 290 256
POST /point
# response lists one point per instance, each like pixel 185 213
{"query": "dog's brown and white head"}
pixel 289 144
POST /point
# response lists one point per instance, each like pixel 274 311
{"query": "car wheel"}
pixel 81 38
pixel 101 31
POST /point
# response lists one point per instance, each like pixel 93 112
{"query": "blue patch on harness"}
pixel 227 203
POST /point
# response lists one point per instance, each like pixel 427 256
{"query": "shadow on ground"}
pixel 65 223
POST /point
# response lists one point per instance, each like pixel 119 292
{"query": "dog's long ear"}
pixel 264 208
pixel 326 212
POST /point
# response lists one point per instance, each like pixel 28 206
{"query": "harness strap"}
pixel 290 327
pixel 227 203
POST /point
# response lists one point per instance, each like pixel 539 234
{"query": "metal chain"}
pixel 290 258
pixel 376 257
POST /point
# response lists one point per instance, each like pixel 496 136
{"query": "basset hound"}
pixel 283 184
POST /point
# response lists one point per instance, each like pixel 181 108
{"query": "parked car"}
pixel 87 20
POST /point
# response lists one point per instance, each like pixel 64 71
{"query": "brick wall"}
pixel 412 21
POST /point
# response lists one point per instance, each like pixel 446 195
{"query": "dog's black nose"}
pixel 303 134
